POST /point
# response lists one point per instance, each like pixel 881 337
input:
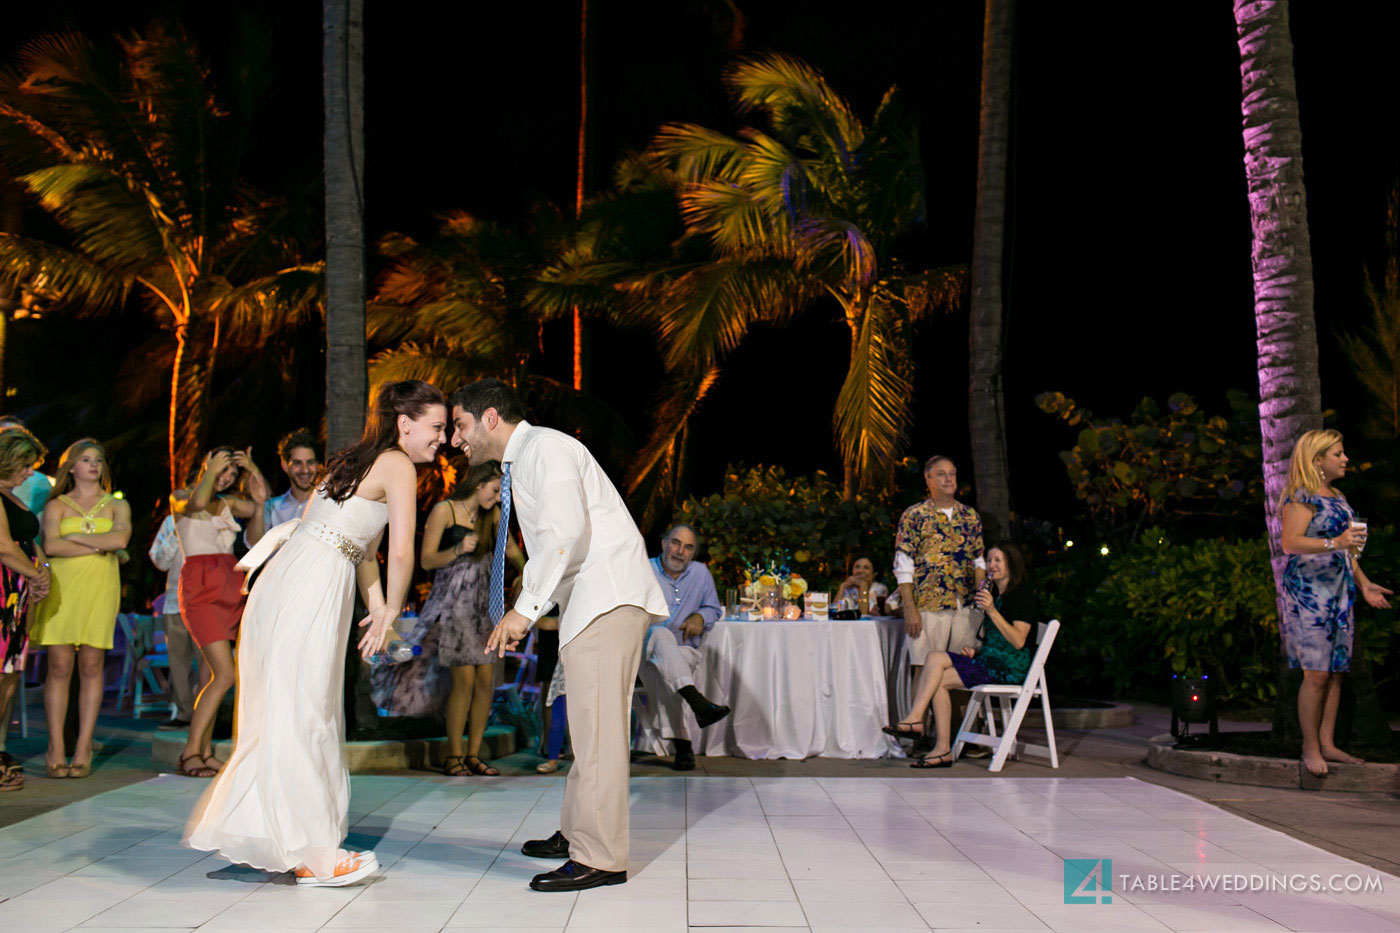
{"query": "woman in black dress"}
pixel 24 575
pixel 459 539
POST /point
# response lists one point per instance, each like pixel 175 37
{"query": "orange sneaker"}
pixel 352 867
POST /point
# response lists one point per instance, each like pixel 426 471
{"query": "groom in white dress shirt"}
pixel 586 555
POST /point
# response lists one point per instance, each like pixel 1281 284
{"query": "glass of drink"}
pixel 731 602
pixel 1358 525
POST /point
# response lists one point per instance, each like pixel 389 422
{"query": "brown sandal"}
pixel 480 768
pixel 203 771
pixel 11 780
pixel 457 770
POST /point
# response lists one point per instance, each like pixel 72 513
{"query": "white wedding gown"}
pixel 281 800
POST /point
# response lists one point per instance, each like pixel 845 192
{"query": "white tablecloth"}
pixel 800 689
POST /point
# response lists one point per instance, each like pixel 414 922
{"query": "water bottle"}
pixel 396 652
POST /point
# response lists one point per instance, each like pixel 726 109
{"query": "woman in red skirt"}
pixel 211 588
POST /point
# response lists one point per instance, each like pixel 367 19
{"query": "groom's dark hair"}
pixel 476 397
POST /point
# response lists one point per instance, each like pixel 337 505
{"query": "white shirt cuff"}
pixel 903 568
pixel 531 606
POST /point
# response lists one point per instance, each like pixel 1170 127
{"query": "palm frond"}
pixel 838 245
pixel 258 309
pixel 872 409
pixel 933 290
pixel 411 361
pixel 798 103
pixel 706 312
pixel 679 400
pixel 59 277
pixel 698 153
pixel 110 224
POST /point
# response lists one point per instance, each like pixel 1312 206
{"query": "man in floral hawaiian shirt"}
pixel 939 564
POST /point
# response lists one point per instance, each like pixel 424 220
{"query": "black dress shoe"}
pixel 684 759
pixel 575 876
pixel 710 714
pixel 555 846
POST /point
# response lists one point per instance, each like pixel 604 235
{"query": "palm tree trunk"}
pixel 580 173
pixel 1290 392
pixel 178 471
pixel 985 330
pixel 343 75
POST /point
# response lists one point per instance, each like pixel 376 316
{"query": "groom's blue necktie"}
pixel 497 600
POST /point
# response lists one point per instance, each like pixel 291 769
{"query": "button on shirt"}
pixel 692 592
pixel 584 550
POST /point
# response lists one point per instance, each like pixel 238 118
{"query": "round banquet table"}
pixel 805 688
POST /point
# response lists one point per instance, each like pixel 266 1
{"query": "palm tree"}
pixel 131 153
pixel 455 308
pixel 1290 391
pixel 810 207
pixel 986 407
pixel 343 64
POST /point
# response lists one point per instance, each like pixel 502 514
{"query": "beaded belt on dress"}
pixel 338 540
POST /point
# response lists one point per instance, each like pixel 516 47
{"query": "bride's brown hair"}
pixel 349 466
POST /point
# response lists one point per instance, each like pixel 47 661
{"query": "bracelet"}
pixel 1327 544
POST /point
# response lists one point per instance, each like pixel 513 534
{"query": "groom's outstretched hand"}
pixel 507 633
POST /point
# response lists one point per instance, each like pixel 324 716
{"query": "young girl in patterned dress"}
pixel 1320 585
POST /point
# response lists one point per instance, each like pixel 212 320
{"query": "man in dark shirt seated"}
pixel 672 662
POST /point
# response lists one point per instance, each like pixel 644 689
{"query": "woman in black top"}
pixel 24 575
pixel 1007 639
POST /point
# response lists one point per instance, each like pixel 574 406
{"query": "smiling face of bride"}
pixel 421 437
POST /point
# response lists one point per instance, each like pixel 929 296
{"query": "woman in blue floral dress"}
pixel 1320 585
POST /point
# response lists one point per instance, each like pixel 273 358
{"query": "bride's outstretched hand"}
pixel 380 622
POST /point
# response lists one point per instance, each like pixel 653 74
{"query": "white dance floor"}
pixel 732 853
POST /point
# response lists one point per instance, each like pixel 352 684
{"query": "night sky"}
pixel 1129 255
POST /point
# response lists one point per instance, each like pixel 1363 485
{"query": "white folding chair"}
pixel 1013 701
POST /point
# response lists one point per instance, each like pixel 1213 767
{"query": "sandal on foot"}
pixel 944 760
pixel 904 730
pixel 457 770
pixel 202 771
pixel 480 768
pixel 80 771
pixel 11 780
pixel 55 771
pixel 548 766
pixel 9 762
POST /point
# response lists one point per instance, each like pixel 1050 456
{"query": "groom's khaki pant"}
pixel 600 667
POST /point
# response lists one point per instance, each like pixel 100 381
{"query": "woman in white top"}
pixel 211 588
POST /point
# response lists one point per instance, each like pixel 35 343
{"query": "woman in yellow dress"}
pixel 85 531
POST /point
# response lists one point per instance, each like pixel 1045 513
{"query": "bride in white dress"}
pixel 281 801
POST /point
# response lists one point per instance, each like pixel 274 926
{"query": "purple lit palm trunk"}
pixel 986 408
pixel 1290 394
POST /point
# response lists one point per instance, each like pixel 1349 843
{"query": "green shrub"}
pixel 763 512
pixel 1164 468
pixel 1160 609
pixel 1131 620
